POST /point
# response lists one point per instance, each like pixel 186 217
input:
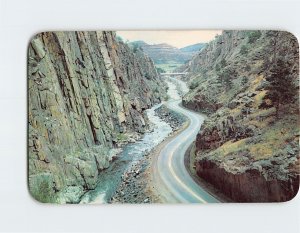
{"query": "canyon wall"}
pixel 247 148
pixel 86 92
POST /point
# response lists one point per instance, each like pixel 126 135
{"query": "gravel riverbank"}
pixel 134 187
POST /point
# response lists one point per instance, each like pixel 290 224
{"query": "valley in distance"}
pixel 163 117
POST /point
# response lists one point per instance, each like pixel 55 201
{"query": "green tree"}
pixel 281 70
pixel 217 68
pixel 244 81
pixel 281 88
pixel 223 63
pixel 226 76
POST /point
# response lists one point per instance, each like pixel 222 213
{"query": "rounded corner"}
pixel 36 35
pixel 34 197
pixel 292 197
pixel 293 36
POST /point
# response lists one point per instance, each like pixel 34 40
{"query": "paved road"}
pixel 177 185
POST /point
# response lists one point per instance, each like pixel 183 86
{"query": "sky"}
pixel 177 39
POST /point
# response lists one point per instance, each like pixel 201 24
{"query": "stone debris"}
pixel 133 188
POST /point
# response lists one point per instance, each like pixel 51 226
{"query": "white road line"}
pixel 178 179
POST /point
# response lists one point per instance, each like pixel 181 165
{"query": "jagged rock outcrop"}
pixel 226 46
pixel 85 90
pixel 206 89
pixel 245 150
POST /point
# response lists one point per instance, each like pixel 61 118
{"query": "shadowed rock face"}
pixel 248 186
pixel 244 149
pixel 85 89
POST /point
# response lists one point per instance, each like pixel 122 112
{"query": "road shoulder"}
pixel 189 164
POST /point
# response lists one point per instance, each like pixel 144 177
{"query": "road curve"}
pixel 170 170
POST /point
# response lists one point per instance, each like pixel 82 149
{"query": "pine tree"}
pixel 226 76
pixel 223 63
pixel 281 89
pixel 281 69
pixel 244 81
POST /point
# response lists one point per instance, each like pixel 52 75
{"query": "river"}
pixel 110 178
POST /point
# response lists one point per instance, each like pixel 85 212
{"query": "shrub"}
pixel 122 137
pixel 244 50
pixel 43 192
pixel 147 75
pixel 119 38
pixel 193 85
pixel 136 48
pixel 254 36
pixel 248 68
pixel 160 70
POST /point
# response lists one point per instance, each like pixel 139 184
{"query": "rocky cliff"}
pixel 246 148
pixel 86 92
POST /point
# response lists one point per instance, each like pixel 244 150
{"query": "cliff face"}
pixel 207 93
pixel 86 91
pixel 244 148
pixel 224 46
pixel 248 186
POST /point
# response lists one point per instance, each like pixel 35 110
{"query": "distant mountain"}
pixel 193 48
pixel 165 53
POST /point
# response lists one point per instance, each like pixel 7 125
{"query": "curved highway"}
pixel 170 172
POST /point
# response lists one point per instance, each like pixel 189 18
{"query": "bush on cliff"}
pixel 254 36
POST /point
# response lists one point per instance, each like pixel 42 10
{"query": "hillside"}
pixel 249 146
pixel 86 93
